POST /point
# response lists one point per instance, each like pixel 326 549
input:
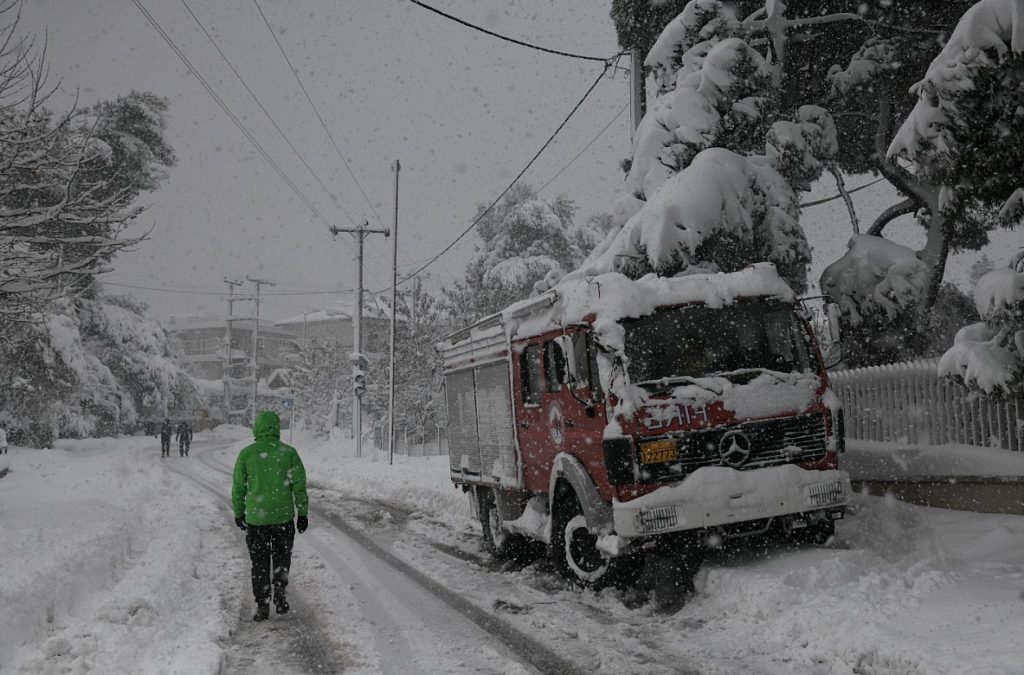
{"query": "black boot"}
pixel 280 601
pixel 262 611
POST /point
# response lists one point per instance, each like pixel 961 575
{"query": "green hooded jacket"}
pixel 269 483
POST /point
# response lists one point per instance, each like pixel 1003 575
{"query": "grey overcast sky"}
pixel 463 112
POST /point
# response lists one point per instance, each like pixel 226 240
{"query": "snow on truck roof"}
pixel 612 297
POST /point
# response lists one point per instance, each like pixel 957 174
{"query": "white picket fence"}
pixel 909 403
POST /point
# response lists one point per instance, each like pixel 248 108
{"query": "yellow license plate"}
pixel 656 452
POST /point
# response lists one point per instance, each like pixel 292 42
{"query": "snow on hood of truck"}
pixel 768 394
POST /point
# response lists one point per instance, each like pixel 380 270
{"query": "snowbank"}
pixel 418 484
pixel 867 460
pixel 104 566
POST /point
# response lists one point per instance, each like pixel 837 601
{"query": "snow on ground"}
pixel 110 563
pixel 113 563
pixel 903 589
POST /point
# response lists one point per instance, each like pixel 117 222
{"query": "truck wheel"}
pixel 575 552
pixel 817 533
pixel 498 541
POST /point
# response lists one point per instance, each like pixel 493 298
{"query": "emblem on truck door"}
pixel 557 425
pixel 734 448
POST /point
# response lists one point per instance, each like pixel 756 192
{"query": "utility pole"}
pixel 356 357
pixel 256 343
pixel 228 349
pixel 394 311
pixel 637 91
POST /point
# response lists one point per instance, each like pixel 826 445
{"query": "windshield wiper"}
pixel 745 375
pixel 663 384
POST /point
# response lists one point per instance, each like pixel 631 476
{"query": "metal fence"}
pixel 413 442
pixel 909 403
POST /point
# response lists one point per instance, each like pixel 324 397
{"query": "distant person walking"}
pixel 3 440
pixel 268 488
pixel 165 438
pixel 184 434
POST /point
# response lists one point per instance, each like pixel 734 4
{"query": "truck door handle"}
pixel 525 424
pixel 569 422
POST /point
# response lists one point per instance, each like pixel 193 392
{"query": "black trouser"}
pixel 270 544
pixel 165 446
pixel 183 447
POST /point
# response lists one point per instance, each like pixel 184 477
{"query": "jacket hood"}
pixel 267 424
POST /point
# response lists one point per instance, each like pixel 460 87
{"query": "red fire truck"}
pixel 611 417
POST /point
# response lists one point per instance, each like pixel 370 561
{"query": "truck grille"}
pixel 790 440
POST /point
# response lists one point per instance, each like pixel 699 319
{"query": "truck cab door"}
pixel 531 421
pixel 572 397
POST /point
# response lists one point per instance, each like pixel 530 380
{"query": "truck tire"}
pixel 498 541
pixel 575 553
pixel 818 533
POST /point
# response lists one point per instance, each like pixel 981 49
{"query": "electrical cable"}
pixel 295 74
pixel 585 148
pixel 186 291
pixel 265 111
pixel 227 111
pixel 505 37
pixel 514 180
pixel 838 195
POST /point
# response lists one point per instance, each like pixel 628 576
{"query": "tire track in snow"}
pixel 531 651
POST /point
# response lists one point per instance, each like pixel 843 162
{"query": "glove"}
pixel 241 523
pixel 301 523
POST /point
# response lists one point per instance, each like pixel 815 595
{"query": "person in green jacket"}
pixel 269 487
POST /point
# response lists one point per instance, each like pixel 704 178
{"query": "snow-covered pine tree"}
pixel 964 135
pixel 322 383
pixel 421 324
pixel 715 171
pixel 526 241
pixel 858 59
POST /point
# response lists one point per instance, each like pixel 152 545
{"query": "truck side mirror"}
pixel 832 312
pixel 570 374
pixel 834 350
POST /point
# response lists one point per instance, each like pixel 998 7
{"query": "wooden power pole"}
pixel 256 343
pixel 356 357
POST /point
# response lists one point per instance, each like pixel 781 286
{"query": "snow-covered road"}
pixel 117 561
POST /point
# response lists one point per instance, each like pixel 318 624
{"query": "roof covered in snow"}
pixel 611 297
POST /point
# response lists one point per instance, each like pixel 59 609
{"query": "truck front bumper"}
pixel 719 496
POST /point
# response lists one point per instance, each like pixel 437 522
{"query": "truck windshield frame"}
pixel 692 341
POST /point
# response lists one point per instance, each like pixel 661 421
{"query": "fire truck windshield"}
pixel 735 341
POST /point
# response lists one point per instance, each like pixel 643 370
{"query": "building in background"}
pixel 332 326
pixel 199 342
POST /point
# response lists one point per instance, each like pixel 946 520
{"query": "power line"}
pixel 585 148
pixel 265 111
pixel 837 196
pixel 187 291
pixel 323 124
pixel 514 180
pixel 227 111
pixel 505 37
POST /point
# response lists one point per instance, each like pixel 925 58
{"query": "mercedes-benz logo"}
pixel 734 448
